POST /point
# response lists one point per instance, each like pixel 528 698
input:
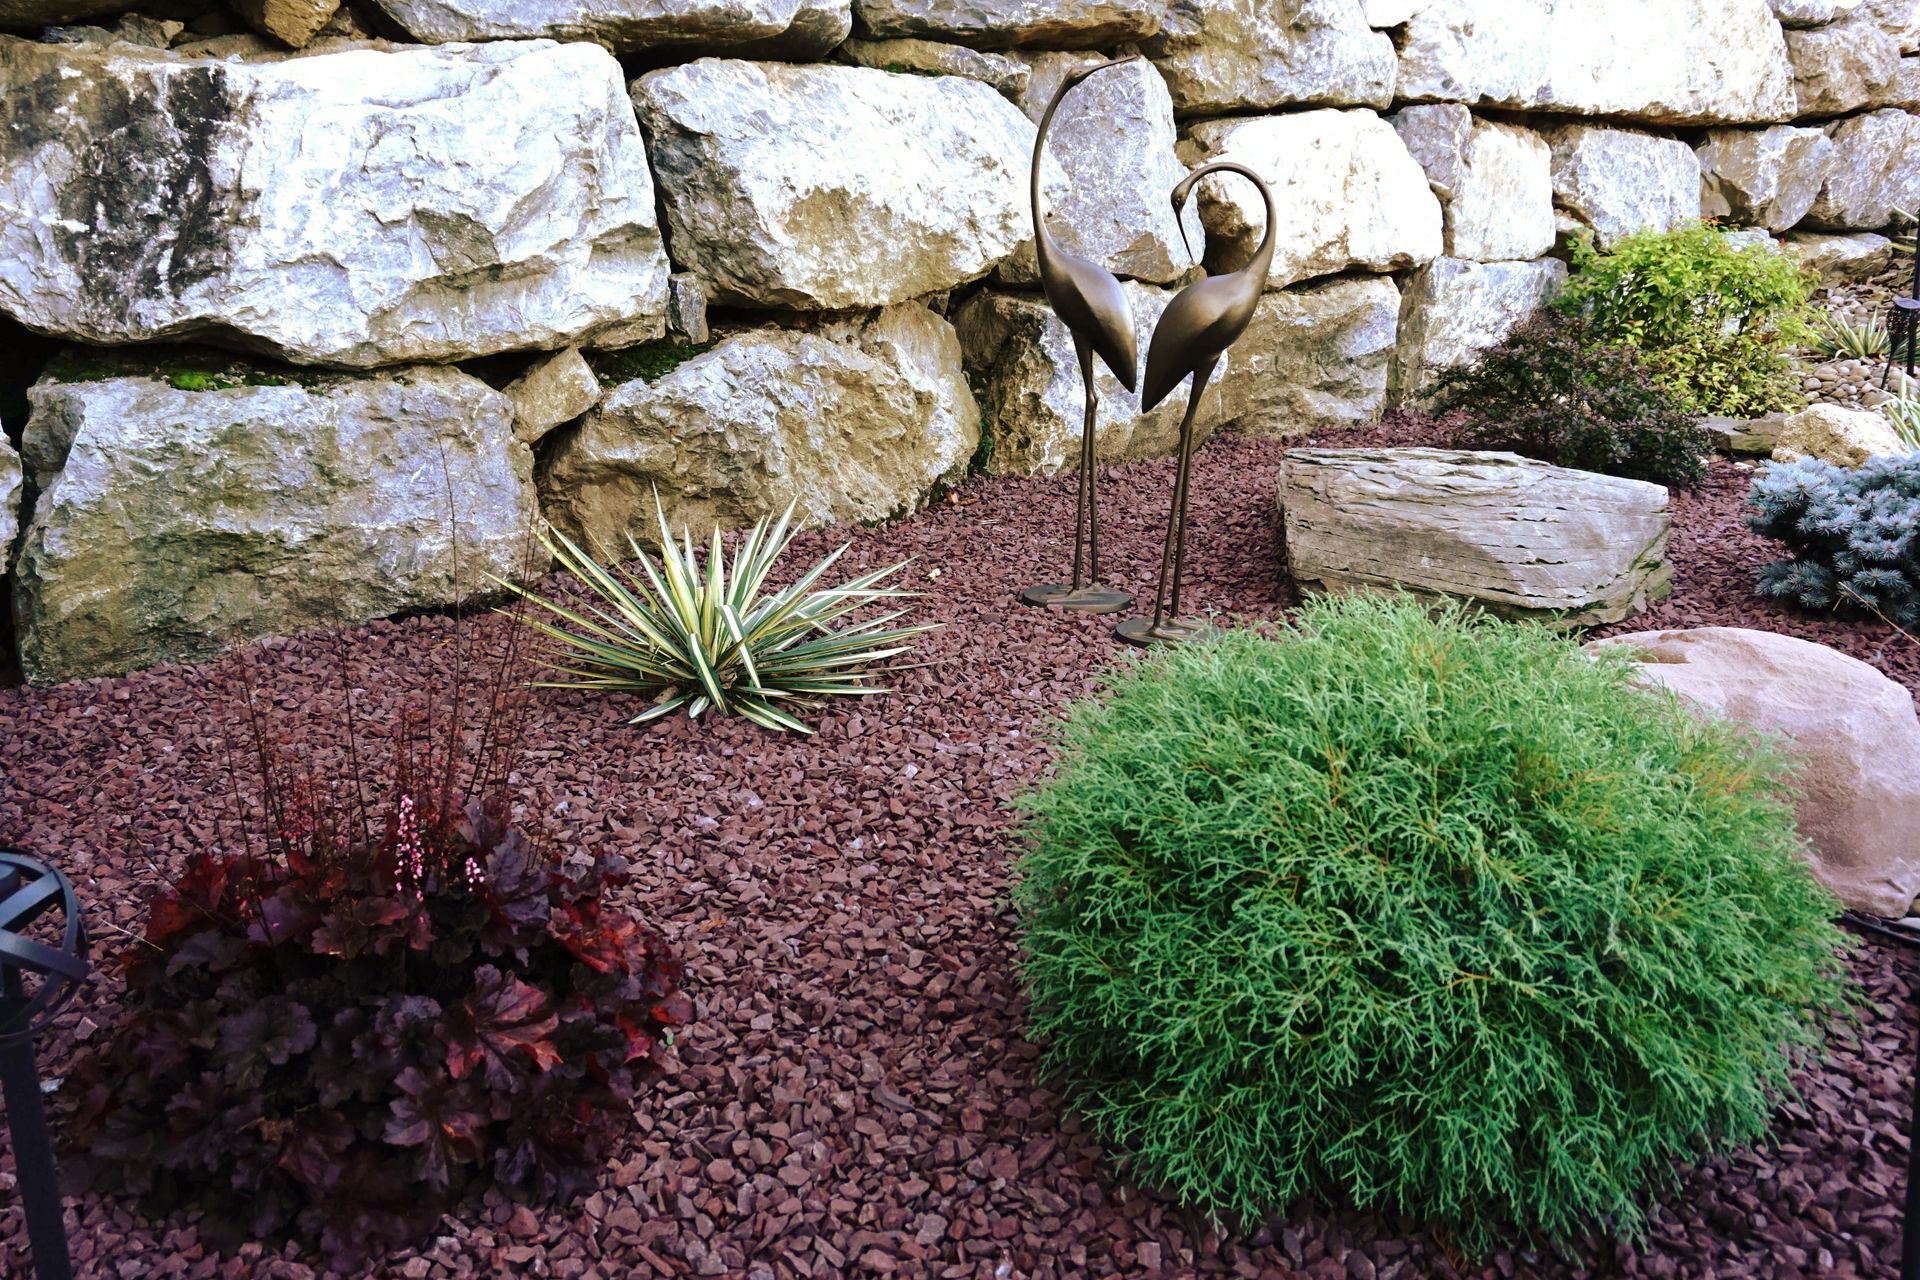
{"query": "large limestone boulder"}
pixel 1454 310
pixel 1114 137
pixel 1873 177
pixel 1251 55
pixel 171 524
pixel 1034 406
pixel 354 208
pixel 627 26
pixel 830 187
pixel 1762 177
pixel 1848 257
pixel 1008 24
pixel 1841 67
pixel 851 418
pixel 1315 356
pixel 1852 728
pixel 1844 437
pixel 1494 181
pixel 1005 73
pixel 1898 18
pixel 292 22
pixel 1618 181
pixel 1346 193
pixel 1660 61
pixel 10 493
pixel 1518 537
pixel 1811 13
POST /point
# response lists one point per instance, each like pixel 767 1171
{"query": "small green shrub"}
pixel 1548 392
pixel 1430 912
pixel 1854 533
pixel 1715 318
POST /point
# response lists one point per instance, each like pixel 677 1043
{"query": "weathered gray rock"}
pixel 1346 193
pixel 558 389
pixel 1872 178
pixel 1454 310
pixel 1008 76
pixel 1618 181
pixel 292 22
pixel 1903 90
pixel 1844 437
pixel 1745 437
pixel 687 307
pixel 25 15
pixel 1842 257
pixel 1812 13
pixel 828 187
pixel 1316 356
pixel 1010 24
pixel 1250 55
pixel 849 417
pixel 1661 61
pixel 356 208
pixel 811 27
pixel 173 524
pixel 1841 67
pixel 1899 18
pixel 1518 537
pixel 1114 137
pixel 1762 177
pixel 11 491
pixel 1853 729
pixel 1494 181
pixel 1033 404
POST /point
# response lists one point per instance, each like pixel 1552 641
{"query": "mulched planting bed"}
pixel 856 1097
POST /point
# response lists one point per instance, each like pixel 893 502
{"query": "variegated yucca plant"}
pixel 706 636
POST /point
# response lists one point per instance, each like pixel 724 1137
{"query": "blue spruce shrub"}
pixel 1854 533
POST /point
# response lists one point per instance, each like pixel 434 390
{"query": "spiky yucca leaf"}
pixel 1839 336
pixel 703 635
pixel 1903 411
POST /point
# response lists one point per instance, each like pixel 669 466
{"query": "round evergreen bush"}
pixel 1429 911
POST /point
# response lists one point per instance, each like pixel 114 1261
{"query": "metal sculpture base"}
pixel 1092 598
pixel 1144 634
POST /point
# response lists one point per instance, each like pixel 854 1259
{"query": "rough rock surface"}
pixel 1842 257
pixel 1660 61
pixel 1748 437
pixel 171 524
pixel 292 22
pixel 1618 181
pixel 1249 55
pixel 1899 18
pixel 936 57
pixel 1346 193
pixel 1762 177
pixel 1033 401
pixel 1845 437
pixel 1008 24
pixel 11 488
pixel 1114 137
pixel 1454 310
pixel 1872 178
pixel 353 208
pixel 1811 13
pixel 556 390
pixel 1314 357
pixel 1494 181
pixel 1520 537
pixel 828 187
pixel 850 418
pixel 1853 729
pixel 797 27
pixel 26 15
pixel 1841 67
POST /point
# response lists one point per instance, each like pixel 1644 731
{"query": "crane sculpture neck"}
pixel 1043 241
pixel 1262 260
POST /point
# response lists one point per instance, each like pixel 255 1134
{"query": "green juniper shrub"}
pixel 1549 392
pixel 1854 534
pixel 1714 317
pixel 1427 911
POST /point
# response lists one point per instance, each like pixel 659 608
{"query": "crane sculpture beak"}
pixel 1181 191
pixel 1076 77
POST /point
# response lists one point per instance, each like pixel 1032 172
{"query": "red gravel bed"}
pixel 857 1097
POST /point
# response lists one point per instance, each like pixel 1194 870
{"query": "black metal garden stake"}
pixel 29 889
pixel 1903 328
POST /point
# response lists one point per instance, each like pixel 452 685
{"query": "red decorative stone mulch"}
pixel 857 1098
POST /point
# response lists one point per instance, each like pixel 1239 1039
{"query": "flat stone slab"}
pixel 1522 538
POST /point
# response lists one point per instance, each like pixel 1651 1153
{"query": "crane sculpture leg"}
pixel 1084 594
pixel 1166 625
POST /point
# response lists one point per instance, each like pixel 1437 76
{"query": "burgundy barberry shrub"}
pixel 386 1002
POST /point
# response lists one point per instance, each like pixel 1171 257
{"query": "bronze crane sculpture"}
pixel 1195 330
pixel 1087 298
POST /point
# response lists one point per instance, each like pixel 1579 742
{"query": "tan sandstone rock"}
pixel 1846 437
